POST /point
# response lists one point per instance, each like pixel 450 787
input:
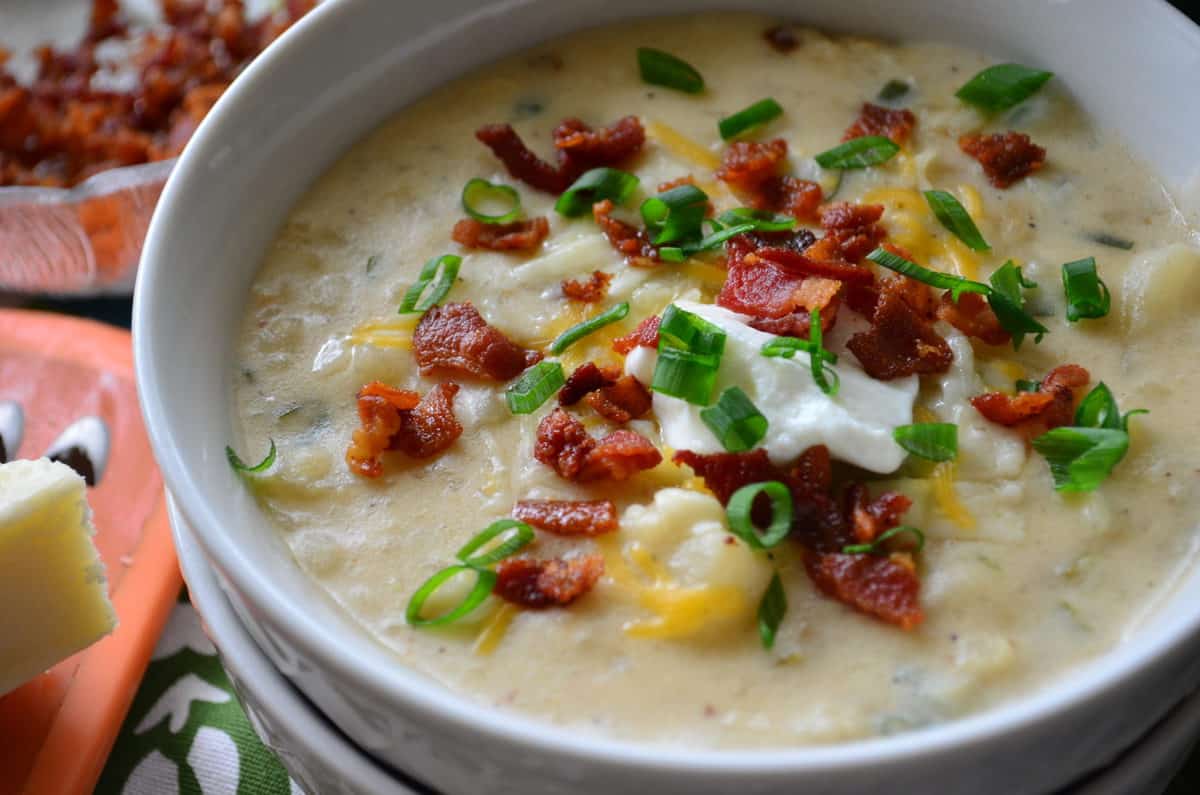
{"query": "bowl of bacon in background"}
pixel 95 105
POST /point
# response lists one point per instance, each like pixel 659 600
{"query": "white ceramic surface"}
pixel 355 62
pixel 322 760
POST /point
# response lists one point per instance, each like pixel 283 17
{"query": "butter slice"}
pixel 53 593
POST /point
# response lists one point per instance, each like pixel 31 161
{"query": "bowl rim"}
pixel 395 684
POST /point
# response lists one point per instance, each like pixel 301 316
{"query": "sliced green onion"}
pixel 828 385
pixel 1112 241
pixel 762 220
pixel 686 330
pixel 955 284
pixel 1008 302
pixel 741 506
pixel 870 150
pixel 1087 295
pixel 485 580
pixel 893 89
pixel 580 330
pixel 478 191
pixel 876 547
pixel 787 347
pixel 1081 458
pixel 448 265
pixel 660 68
pixel 735 421
pixel 1028 386
pixel 593 186
pixel 242 468
pixel 935 441
pixel 536 384
pixel 685 375
pixel 672 254
pixel 1002 86
pixel 509 546
pixel 675 215
pixel 1098 409
pixel 757 114
pixel 956 218
pixel 771 610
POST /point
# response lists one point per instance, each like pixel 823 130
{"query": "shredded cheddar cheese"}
pixel 390 333
pixel 910 223
pixel 946 496
pixel 494 630
pixel 682 147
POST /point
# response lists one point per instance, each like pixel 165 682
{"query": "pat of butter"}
pixel 53 594
pixel 856 425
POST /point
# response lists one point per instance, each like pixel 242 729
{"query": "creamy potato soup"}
pixel 729 524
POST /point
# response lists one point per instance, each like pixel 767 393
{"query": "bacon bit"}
pixel 568 517
pixel 628 240
pixel 60 130
pixel 1005 157
pixel 972 316
pixel 565 445
pixel 872 584
pixel 591 291
pixel 894 123
pixel 852 231
pixel 796 197
pixel 686 179
pixel 899 342
pixel 623 400
pixel 586 378
pixel 524 235
pixel 644 336
pixel 870 518
pixel 797 240
pixel 579 148
pixel 846 216
pixel 538 584
pixel 746 165
pixel 725 473
pixel 399 419
pixel 1034 413
pixel 782 38
pixel 811 267
pixel 456 337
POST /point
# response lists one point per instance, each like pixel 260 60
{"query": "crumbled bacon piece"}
pixel 524 235
pixel 797 240
pixel 456 337
pixel 644 336
pixel 871 517
pixel 972 315
pixel 627 239
pixel 725 473
pixel 899 342
pixel 799 198
pixel 586 378
pixel 1005 157
pixel 399 419
pixel 894 123
pixel 566 446
pixel 873 584
pixel 538 584
pixel 852 231
pixel 568 517
pixel 578 146
pixel 1034 413
pixel 754 169
pixel 782 38
pixel 846 215
pixel 590 291
pixel 621 401
pixel 779 283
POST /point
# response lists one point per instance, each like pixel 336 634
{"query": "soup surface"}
pixel 1017 582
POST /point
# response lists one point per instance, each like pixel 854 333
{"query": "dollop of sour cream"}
pixel 856 424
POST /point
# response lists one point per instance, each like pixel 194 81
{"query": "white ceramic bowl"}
pixel 352 64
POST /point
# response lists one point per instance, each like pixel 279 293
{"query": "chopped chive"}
pixel 1008 302
pixel 672 254
pixel 955 217
pixel 689 355
pixel 877 547
pixel 536 384
pixel 741 506
pixel 1087 295
pixel 686 330
pixel 787 347
pixel 448 265
pixel 596 185
pixel 817 360
pixel 479 191
pixel 675 215
pixel 893 90
pixel 762 220
pixel 1002 86
pixel 664 69
pixel 935 441
pixel 771 610
pixel 242 468
pixel 870 150
pixel 509 546
pixel 1112 241
pixel 485 580
pixel 735 421
pixel 580 330
pixel 755 115
pixel 1083 455
pixel 955 284
pixel 1028 386
pixel 1098 409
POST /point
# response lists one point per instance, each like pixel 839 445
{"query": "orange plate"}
pixel 56 731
